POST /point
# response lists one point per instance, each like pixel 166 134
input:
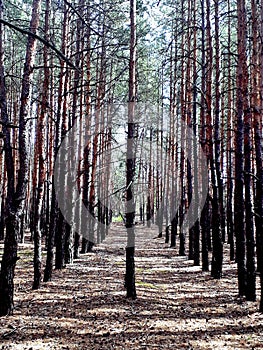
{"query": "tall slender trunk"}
pixel 230 224
pixel 216 269
pixel 87 146
pixel 149 194
pixel 63 113
pixel 239 161
pixel 257 124
pixel 17 201
pixel 183 143
pixel 56 219
pixel 41 164
pixel 217 136
pixel 10 251
pixel 170 166
pixel 196 227
pixel 204 214
pixel 130 161
pixel 249 222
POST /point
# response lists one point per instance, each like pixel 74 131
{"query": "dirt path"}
pixel 84 307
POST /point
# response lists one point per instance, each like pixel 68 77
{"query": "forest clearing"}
pixel 84 307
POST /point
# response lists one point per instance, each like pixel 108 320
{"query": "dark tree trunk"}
pixel 87 151
pixel 257 123
pixel 204 214
pixel 4 181
pixel 55 224
pixel 239 162
pixel 249 222
pixel 62 159
pixel 230 223
pixel 216 269
pixel 16 201
pixel 196 184
pixel 41 166
pixel 219 180
pixel 51 237
pixel 174 224
pixel 130 162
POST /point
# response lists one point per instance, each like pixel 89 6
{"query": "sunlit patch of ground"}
pixel 84 307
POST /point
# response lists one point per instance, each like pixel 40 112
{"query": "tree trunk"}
pixel 257 123
pixel 239 162
pixel 204 214
pixel 130 161
pixel 62 113
pixel 230 224
pixel 17 201
pixel 217 258
pixel 41 164
pixel 249 222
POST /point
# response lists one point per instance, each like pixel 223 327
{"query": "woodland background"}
pixel 64 65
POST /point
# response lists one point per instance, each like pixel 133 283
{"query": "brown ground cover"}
pixel 84 307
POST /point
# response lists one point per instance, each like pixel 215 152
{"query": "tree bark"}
pixel 257 124
pixel 41 163
pixel 16 203
pixel 130 161
pixel 239 161
pixel 216 269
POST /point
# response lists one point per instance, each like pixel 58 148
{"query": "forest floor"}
pixel 84 307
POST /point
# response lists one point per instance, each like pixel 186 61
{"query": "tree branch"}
pixel 43 41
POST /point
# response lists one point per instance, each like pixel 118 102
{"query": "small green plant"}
pixel 117 219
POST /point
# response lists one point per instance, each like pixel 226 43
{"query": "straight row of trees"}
pixel 186 152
